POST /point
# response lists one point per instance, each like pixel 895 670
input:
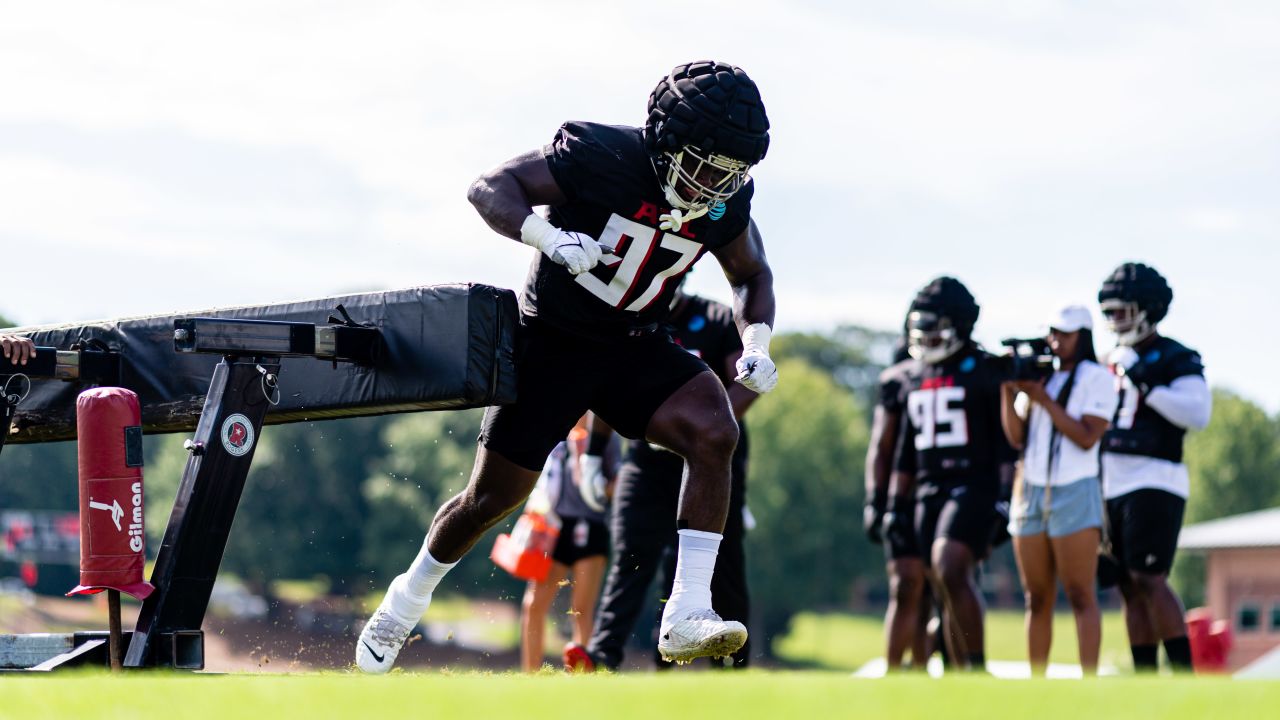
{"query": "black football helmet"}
pixel 1134 298
pixel 706 128
pixel 941 320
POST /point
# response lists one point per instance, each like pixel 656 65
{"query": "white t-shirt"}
pixel 1094 393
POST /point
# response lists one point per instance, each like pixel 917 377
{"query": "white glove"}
pixel 756 370
pixel 576 251
pixel 593 486
pixel 1123 357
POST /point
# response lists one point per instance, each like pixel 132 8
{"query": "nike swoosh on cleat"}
pixel 375 655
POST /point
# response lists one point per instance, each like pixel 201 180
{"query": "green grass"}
pixel 9 605
pixel 301 591
pixel 839 641
pixel 706 695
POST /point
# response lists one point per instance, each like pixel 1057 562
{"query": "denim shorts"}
pixel 1073 507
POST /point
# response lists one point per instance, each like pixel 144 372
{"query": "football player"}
pixel 630 210
pixel 646 499
pixel 1163 394
pixel 16 348
pixel 953 456
pixel 906 619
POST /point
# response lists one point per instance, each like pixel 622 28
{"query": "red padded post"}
pixel 112 541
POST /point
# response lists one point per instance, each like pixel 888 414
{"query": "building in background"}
pixel 1242 579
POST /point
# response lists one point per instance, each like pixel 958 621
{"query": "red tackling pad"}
pixel 112 539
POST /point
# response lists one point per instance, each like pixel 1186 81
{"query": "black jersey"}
pixel 1138 429
pixel 950 429
pixel 613 194
pixel 706 329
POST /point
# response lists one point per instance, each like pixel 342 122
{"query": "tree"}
pixel 1235 462
pixel 428 460
pixel 1235 468
pixel 852 355
pixel 39 477
pixel 302 513
pixel 805 488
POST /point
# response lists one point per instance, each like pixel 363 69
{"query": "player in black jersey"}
pixel 907 616
pixel 630 210
pixel 1162 395
pixel 952 454
pixel 645 501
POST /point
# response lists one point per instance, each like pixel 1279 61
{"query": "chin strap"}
pixel 674 220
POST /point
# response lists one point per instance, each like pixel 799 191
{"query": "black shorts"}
pixel 1144 526
pixel 561 375
pixel 580 539
pixel 901 550
pixel 958 510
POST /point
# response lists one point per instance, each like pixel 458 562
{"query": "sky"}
pixel 159 157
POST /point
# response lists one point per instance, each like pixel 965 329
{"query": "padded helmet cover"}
pixel 1141 284
pixel 712 106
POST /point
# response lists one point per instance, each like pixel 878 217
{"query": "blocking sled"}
pixel 442 347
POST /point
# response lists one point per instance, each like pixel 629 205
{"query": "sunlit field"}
pixel 754 694
pixel 841 641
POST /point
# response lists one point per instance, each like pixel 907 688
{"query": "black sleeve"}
pixel 576 158
pixel 1184 364
pixel 890 396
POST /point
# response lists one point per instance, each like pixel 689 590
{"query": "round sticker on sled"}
pixel 237 435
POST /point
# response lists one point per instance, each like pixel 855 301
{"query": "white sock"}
pixel 695 563
pixel 410 593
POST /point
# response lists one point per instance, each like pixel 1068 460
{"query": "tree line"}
pixel 348 501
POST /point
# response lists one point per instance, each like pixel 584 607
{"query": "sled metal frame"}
pixel 167 633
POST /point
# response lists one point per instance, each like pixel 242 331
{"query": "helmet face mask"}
pixel 931 338
pixel 940 321
pixel 1127 320
pixel 696 180
pixel 1134 298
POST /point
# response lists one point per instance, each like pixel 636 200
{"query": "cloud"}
pixel 239 152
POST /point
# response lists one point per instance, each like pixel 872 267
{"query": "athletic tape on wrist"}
pixel 757 336
pixel 536 230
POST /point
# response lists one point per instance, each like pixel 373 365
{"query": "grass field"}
pixel 840 641
pixel 753 694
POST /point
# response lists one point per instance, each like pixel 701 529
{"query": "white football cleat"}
pixel 701 633
pixel 380 642
pixel 382 637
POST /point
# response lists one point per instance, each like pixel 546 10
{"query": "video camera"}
pixel 1026 359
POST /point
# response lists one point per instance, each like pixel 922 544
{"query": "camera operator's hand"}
pixel 872 521
pixel 1034 390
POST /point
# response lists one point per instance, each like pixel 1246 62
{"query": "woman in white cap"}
pixel 1056 513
